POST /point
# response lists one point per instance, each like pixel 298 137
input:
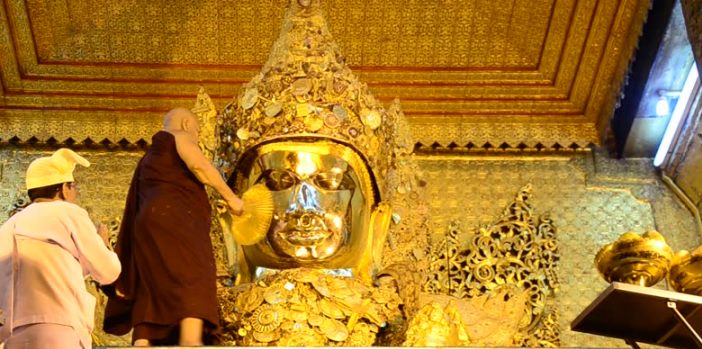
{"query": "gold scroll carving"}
pixel 517 252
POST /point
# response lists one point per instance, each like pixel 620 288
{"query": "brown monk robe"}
pixel 168 272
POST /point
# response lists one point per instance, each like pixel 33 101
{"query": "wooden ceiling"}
pixel 467 71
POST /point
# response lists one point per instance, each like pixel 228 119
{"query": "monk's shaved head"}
pixel 176 118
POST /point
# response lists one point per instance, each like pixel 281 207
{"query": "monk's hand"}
pixel 236 206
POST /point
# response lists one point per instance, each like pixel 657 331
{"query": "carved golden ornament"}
pixel 330 309
pixel 275 295
pixel 252 302
pixel 266 337
pixel 266 318
pixel 518 251
pixel 635 259
pixel 686 272
pixel 302 304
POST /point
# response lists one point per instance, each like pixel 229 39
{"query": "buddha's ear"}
pixel 380 224
pixel 378 231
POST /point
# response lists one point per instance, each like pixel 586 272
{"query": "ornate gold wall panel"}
pixel 473 71
pixel 518 250
pixel 591 200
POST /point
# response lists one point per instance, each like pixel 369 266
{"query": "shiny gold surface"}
pixel 322 209
pixel 592 199
pixel 686 272
pixel 467 71
pixel 489 320
pixel 635 259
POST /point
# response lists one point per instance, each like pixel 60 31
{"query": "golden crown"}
pixel 306 91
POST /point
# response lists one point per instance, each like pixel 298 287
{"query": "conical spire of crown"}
pixel 306 90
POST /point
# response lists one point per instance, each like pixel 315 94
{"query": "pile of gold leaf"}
pixel 307 307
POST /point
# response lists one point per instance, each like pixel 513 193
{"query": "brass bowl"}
pixel 686 272
pixel 640 260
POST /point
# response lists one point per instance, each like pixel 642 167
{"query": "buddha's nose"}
pixel 306 198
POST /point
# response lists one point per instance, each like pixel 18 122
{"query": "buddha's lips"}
pixel 304 237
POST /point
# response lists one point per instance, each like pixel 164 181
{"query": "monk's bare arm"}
pixel 201 167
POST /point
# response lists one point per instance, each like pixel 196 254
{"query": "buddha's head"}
pixel 312 133
pixel 326 202
pixel 316 137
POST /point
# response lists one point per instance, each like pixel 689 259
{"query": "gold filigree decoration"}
pixel 307 307
pixel 518 250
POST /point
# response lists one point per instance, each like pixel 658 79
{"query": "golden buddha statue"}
pixel 347 252
pixel 310 131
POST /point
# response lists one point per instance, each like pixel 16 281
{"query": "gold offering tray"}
pixel 642 314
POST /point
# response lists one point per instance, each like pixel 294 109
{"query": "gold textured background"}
pixel 591 199
pixel 473 71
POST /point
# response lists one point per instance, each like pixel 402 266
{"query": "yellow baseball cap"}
pixel 54 169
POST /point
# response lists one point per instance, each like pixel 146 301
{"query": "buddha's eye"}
pixel 333 180
pixel 277 180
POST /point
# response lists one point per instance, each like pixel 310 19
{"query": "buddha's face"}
pixel 321 206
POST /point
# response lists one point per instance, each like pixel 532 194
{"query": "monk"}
pixel 167 290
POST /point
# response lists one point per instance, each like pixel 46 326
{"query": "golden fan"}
pixel 253 224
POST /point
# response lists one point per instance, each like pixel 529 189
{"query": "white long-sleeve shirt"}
pixel 56 246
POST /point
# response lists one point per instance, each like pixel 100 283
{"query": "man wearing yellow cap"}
pixel 46 251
